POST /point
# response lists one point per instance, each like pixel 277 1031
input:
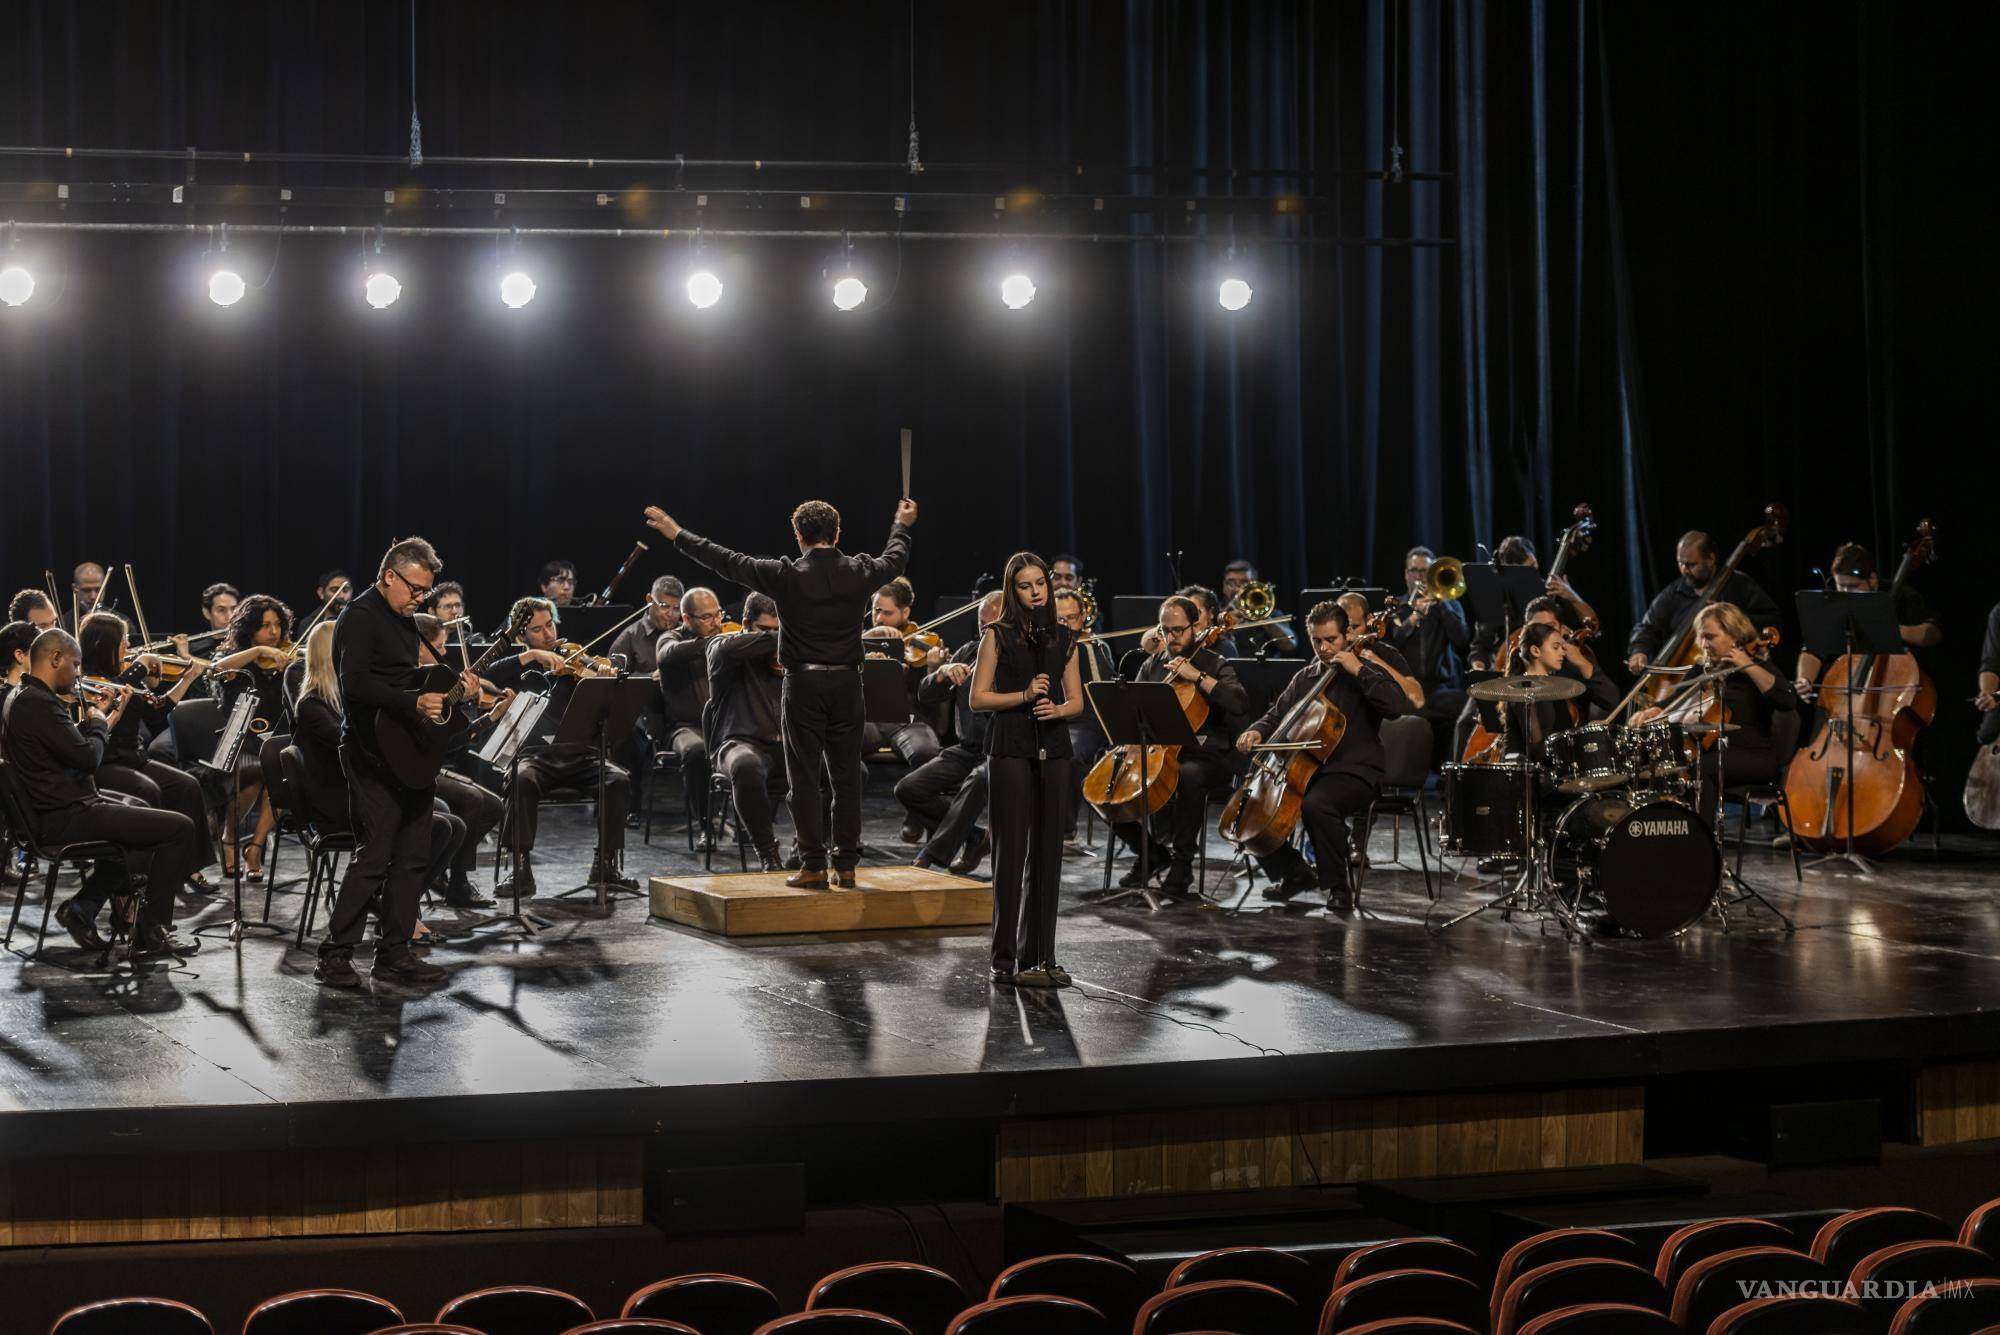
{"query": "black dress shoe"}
pixel 911 833
pixel 81 930
pixel 400 964
pixel 524 883
pixel 769 860
pixel 605 872
pixel 1001 975
pixel 463 895
pixel 976 849
pixel 704 840
pixel 336 969
pixel 155 941
pixel 1179 878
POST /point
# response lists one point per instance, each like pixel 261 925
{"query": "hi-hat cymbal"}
pixel 1699 729
pixel 1527 690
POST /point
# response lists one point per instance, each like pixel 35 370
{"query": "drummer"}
pixel 1546 650
pixel 1752 696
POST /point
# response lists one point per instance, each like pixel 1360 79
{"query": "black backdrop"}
pixel 1697 257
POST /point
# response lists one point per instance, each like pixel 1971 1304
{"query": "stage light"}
pixel 225 287
pixel 517 290
pixel 382 289
pixel 849 292
pixel 16 285
pixel 1017 290
pixel 1234 294
pixel 704 289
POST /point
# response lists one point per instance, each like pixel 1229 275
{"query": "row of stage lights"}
pixel 381 289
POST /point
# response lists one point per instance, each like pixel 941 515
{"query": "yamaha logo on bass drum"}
pixel 1653 829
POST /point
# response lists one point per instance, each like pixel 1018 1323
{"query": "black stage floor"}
pixel 612 1023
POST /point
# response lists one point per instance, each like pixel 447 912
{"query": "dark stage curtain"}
pixel 1692 258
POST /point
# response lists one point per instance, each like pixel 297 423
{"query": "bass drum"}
pixel 1651 867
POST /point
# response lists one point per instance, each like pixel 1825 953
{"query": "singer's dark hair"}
pixel 1032 624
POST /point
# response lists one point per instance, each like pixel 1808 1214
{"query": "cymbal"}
pixel 1527 690
pixel 1705 729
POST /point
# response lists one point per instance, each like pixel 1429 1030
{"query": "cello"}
pixel 1263 813
pixel 1893 700
pixel 1685 647
pixel 1483 747
pixel 1112 786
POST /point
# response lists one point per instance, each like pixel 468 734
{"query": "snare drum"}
pixel 1657 750
pixel 1486 809
pixel 1585 760
pixel 1652 867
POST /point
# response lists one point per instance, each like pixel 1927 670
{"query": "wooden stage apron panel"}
pixel 761 904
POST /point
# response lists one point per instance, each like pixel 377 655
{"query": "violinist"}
pixel 557 582
pixel 56 759
pixel 1207 607
pixel 947 794
pixel 476 808
pixel 33 606
pixel 745 702
pixel 86 586
pixel 1385 655
pixel 542 767
pixel 1431 635
pixel 682 671
pixel 638 643
pixel 218 606
pixel 106 655
pixel 1547 649
pixel 1086 734
pixel 1205 771
pixel 448 603
pixel 1341 788
pixel 1277 639
pixel 255 651
pixel 1854 571
pixel 1026 678
pixel 915 739
pixel 1676 604
pixel 1751 696
pixel 1988 699
pixel 16 639
pixel 337 585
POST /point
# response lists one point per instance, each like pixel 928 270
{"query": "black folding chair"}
pixel 21 829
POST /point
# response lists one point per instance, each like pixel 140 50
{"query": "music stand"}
pixel 1141 714
pixel 229 743
pixel 599 709
pixel 1130 611
pixel 1861 623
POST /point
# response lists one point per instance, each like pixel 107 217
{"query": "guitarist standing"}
pixel 376 654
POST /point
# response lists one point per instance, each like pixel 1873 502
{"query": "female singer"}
pixel 324 802
pixel 107 655
pixel 256 650
pixel 1752 695
pixel 1026 677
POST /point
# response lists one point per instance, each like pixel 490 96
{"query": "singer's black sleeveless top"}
pixel 1017 732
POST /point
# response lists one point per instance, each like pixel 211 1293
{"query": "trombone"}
pixel 1255 601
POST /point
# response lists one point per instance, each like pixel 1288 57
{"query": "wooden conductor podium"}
pixel 761 904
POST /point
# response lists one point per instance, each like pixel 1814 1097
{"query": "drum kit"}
pixel 1602 830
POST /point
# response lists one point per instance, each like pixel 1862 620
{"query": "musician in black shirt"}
pixel 56 760
pixel 1752 696
pixel 376 654
pixel 820 649
pixel 1342 787
pixel 1207 770
pixel 17 639
pixel 745 697
pixel 681 656
pixel 1086 734
pixel 1432 635
pixel 542 767
pixel 1259 641
pixel 946 795
pixel 1696 588
pixel 33 606
pixel 1854 571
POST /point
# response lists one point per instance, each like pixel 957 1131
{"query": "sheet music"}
pixel 229 742
pixel 516 726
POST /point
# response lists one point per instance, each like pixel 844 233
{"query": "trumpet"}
pixel 1255 600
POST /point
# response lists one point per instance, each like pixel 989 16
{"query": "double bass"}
pixel 1893 700
pixel 1685 647
pixel 1262 814
pixel 1112 786
pixel 1483 747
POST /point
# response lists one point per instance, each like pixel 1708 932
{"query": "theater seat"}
pixel 1585 1279
pixel 1439 1254
pixel 1403 1293
pixel 1909 1267
pixel 632 1325
pixel 322 1312
pixel 427 1328
pixel 1410 1325
pixel 714 1304
pixel 1968 1309
pixel 1845 1239
pixel 833 1321
pixel 516 1309
pixel 1714 1285
pixel 1283 1271
pixel 132 1316
pixel 1110 1286
pixel 1981 1228
pixel 1601 1319
pixel 1559 1244
pixel 1793 1314
pixel 1684 1246
pixel 1220 1304
pixel 922 1297
pixel 1030 1314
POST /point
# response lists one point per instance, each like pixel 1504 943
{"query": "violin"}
pixel 918 644
pixel 1882 799
pixel 1112 786
pixel 1685 648
pixel 1695 704
pixel 577 663
pixel 736 628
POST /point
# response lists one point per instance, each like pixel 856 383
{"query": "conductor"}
pixel 819 650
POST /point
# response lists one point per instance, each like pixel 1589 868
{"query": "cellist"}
pixel 1343 786
pixel 1206 771
pixel 1854 571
